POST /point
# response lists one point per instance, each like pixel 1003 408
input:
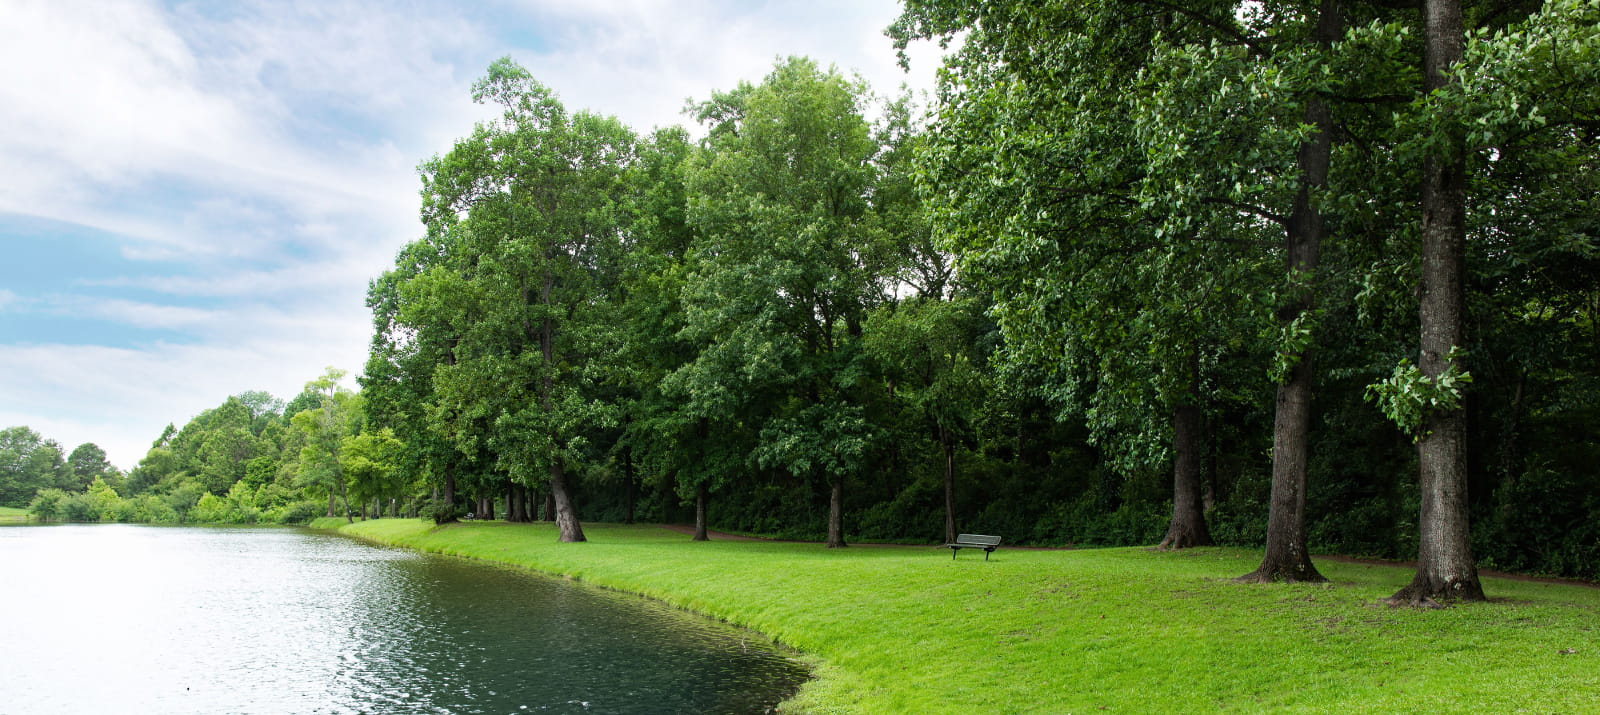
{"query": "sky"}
pixel 194 194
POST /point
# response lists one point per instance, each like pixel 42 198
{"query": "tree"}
pixel 370 459
pixel 785 266
pixel 1079 186
pixel 325 428
pixel 88 463
pixel 28 463
pixel 533 203
pixel 930 352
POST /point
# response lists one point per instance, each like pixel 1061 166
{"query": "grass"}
pixel 11 514
pixel 906 629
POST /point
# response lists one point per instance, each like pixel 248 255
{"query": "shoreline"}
pixel 911 630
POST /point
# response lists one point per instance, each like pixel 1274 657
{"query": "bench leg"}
pixel 953 551
pixel 986 553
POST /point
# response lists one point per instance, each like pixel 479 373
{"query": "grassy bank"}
pixel 12 515
pixel 906 629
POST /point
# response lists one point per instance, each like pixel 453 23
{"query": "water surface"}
pixel 119 618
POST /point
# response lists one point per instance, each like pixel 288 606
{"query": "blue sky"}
pixel 195 194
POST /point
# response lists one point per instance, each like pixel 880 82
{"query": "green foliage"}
pixel 48 504
pixel 28 463
pixel 1407 396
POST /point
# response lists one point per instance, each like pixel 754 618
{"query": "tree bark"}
pixel 945 441
pixel 628 486
pixel 1286 557
pixel 1446 570
pixel 566 517
pixel 550 506
pixel 1188 527
pixel 449 510
pixel 344 495
pixel 700 498
pixel 836 514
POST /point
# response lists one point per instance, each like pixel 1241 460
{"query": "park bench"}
pixel 975 541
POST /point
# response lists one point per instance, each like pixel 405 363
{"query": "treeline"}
pixel 1263 273
pixel 1248 274
pixel 1318 276
pixel 251 460
pixel 29 462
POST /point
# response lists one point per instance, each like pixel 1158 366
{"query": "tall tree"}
pixel 325 428
pixel 28 463
pixel 87 463
pixel 785 266
pixel 1082 189
pixel 535 199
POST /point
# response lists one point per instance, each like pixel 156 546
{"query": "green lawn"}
pixel 906 629
pixel 11 514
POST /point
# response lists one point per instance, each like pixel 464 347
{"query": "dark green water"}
pixel 132 619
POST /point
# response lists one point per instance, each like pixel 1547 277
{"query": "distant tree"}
pixel 87 463
pixel 28 463
pixel 325 428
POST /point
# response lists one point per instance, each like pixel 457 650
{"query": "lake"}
pixel 122 618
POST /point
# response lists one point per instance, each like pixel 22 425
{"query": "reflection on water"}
pixel 116 618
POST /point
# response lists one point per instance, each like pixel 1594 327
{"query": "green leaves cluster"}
pixel 1407 397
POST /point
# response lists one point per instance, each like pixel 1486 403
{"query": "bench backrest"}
pixel 978 540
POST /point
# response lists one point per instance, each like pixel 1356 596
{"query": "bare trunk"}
pixel 836 515
pixel 449 510
pixel 949 485
pixel 628 486
pixel 1286 557
pixel 1446 570
pixel 1188 527
pixel 700 498
pixel 550 506
pixel 566 517
pixel 332 502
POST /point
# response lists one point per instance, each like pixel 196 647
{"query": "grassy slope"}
pixel 906 629
pixel 13 514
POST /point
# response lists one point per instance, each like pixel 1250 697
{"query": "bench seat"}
pixel 974 541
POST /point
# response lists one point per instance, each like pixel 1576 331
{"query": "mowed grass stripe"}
pixel 897 629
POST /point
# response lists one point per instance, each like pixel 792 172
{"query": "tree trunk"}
pixel 566 516
pixel 344 496
pixel 1446 570
pixel 1188 526
pixel 629 493
pixel 550 506
pixel 701 496
pixel 836 515
pixel 949 485
pixel 332 502
pixel 1286 557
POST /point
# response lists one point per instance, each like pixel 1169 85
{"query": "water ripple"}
pixel 186 620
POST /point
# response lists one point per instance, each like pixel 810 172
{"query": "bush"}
pixel 47 504
pixel 300 512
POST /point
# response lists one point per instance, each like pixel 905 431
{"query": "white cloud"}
pixel 120 398
pixel 267 150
